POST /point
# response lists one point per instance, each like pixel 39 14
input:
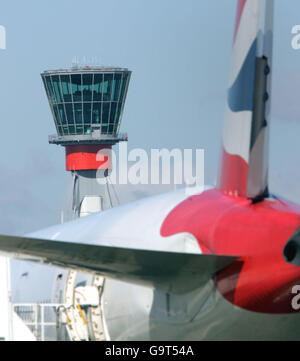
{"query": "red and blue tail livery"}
pixel 244 160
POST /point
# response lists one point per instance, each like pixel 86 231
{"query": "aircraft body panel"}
pixel 110 228
pixel 254 293
pixel 133 225
pixel 129 315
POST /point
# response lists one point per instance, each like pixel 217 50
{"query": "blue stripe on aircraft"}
pixel 240 95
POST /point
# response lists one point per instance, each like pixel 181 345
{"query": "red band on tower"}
pixel 84 157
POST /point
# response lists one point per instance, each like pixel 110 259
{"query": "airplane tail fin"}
pixel 244 161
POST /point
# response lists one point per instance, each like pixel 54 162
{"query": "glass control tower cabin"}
pixel 87 105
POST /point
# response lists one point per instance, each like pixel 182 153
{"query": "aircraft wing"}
pixel 169 271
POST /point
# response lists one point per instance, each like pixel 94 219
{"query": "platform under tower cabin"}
pixel 87 105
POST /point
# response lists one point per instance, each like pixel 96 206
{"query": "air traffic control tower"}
pixel 87 105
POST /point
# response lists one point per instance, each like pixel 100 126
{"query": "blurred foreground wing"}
pixel 168 271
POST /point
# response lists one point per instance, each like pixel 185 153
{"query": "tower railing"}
pixel 88 138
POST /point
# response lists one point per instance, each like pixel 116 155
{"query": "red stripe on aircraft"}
pixel 233 174
pixel 260 280
pixel 240 8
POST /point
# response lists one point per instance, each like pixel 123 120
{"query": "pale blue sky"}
pixel 179 53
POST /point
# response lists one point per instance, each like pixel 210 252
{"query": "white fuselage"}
pixel 134 312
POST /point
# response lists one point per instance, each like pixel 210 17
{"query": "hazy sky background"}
pixel 179 54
